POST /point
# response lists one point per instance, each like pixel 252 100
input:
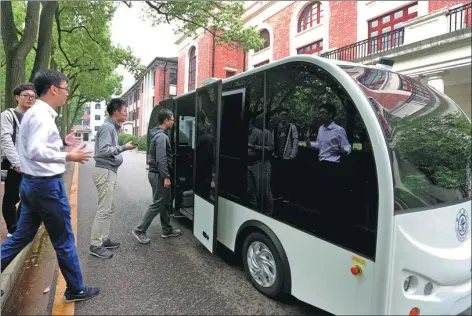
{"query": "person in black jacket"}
pixel 160 162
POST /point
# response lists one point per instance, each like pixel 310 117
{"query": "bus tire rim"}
pixel 261 264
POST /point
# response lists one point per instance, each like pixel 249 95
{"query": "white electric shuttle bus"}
pixel 384 230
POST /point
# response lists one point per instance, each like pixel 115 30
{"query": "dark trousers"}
pixel 258 186
pixel 161 199
pixel 45 200
pixel 10 199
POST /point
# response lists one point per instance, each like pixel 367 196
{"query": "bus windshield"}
pixel 428 135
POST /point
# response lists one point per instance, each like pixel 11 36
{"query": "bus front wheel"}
pixel 263 265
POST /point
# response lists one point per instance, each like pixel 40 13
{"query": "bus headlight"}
pixel 410 283
pixel 428 288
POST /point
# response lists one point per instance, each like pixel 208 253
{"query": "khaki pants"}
pixel 105 181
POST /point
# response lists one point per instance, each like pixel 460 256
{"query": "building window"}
pixel 261 64
pixel 97 117
pixel 230 73
pixel 385 32
pixel 97 106
pixel 96 128
pixel 173 76
pixel 311 16
pixel 154 74
pixel 136 96
pixel 311 48
pixel 192 69
pixel 266 37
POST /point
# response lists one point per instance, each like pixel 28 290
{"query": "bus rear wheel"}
pixel 263 265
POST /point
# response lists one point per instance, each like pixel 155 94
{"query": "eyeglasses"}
pixel 28 96
pixel 67 89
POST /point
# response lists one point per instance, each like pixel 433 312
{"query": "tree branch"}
pixel 158 9
pixel 9 35
pixel 59 37
pixel 127 4
pixel 43 53
pixel 31 28
pixel 88 32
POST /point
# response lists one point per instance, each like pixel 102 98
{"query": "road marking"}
pixel 60 307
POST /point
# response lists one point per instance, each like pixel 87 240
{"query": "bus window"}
pixel 205 144
pixel 259 145
pixel 184 152
pixel 429 139
pixel 323 171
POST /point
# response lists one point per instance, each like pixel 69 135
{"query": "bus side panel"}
pixel 441 259
pixel 321 272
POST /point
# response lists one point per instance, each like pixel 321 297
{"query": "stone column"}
pixel 436 81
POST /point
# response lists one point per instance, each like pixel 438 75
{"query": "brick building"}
pixel 427 39
pixel 158 82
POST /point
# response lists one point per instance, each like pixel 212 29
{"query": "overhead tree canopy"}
pixel 77 43
pixel 224 19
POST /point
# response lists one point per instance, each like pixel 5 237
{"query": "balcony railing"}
pixel 373 45
pixel 460 18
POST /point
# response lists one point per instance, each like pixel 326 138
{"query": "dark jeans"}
pixel 258 186
pixel 161 199
pixel 10 199
pixel 45 200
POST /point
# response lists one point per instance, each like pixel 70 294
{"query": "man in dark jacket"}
pixel 160 162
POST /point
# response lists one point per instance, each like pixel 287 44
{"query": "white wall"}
pixel 461 94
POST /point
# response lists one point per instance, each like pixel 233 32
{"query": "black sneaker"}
pixel 172 233
pixel 142 238
pixel 108 244
pixel 100 252
pixel 86 294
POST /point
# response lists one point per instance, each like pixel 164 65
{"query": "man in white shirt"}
pixel 42 189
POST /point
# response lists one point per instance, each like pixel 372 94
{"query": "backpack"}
pixel 5 162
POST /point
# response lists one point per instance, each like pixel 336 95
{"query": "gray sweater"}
pixel 9 147
pixel 107 151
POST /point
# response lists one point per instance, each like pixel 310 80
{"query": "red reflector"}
pixel 355 270
pixel 414 311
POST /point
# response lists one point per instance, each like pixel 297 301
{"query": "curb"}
pixel 10 275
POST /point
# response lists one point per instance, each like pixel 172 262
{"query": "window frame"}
pixel 173 76
pixel 377 42
pixel 192 69
pixel 306 16
pixel 265 34
pixel 319 48
pixel 265 62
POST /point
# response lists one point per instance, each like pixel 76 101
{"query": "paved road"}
pixel 173 276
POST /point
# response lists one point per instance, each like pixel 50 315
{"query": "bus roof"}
pixel 303 58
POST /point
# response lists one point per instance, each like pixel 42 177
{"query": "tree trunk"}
pixel 43 52
pixel 17 50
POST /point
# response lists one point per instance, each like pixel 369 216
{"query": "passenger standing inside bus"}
pixel 285 137
pixel 331 143
pixel 259 172
pixel 42 188
pixel 25 96
pixel 107 161
pixel 205 157
pixel 160 165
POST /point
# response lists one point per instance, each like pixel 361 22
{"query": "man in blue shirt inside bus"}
pixel 331 140
pixel 331 143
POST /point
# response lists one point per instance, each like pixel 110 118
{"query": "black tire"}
pixel 276 290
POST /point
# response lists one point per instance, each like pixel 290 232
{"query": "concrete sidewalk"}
pixel 13 273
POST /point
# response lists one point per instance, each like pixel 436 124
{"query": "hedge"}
pixel 140 140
